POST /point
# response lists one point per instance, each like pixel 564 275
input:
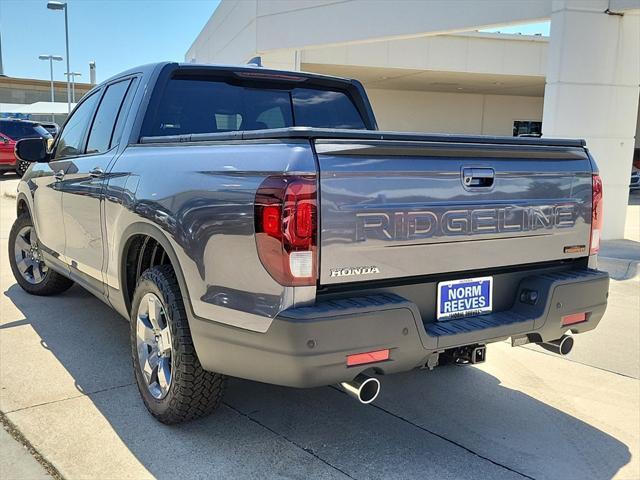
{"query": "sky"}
pixel 528 29
pixel 117 34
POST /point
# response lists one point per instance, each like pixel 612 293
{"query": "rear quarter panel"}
pixel 201 196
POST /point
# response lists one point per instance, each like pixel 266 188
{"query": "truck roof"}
pixel 151 67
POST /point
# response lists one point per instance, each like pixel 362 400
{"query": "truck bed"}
pixel 396 205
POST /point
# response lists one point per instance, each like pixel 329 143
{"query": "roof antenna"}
pixel 255 62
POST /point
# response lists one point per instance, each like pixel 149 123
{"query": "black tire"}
pixel 193 392
pixel 21 167
pixel 52 282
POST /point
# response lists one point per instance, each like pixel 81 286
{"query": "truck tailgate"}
pixel 392 209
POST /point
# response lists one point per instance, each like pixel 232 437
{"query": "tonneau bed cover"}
pixel 366 135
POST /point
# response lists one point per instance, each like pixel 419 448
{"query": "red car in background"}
pixel 10 132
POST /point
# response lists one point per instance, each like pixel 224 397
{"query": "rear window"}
pixel 20 130
pixel 189 106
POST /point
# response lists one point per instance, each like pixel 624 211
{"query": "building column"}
pixel 592 92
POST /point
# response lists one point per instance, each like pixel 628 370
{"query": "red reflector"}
pixel 271 220
pixel 367 357
pixel 574 318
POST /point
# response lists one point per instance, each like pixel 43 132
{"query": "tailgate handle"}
pixel 478 177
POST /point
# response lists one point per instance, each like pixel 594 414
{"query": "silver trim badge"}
pixel 353 271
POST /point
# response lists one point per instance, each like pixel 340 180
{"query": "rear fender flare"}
pixel 159 236
pixel 22 197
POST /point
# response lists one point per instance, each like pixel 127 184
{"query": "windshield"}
pixel 210 106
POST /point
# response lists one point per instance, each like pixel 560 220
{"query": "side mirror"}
pixel 5 140
pixel 32 150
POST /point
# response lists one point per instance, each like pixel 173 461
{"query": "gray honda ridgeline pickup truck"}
pixel 255 223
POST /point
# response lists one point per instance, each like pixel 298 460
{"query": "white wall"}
pixel 465 52
pixel 637 144
pixel 229 36
pixel 270 25
pixel 284 24
pixel 592 92
pixel 452 112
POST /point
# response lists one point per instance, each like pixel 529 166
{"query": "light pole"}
pixel 73 76
pixel 63 6
pixel 51 58
pixel 1 67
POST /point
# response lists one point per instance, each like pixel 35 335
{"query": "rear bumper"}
pixel 307 347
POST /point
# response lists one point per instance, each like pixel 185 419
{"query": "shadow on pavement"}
pixel 445 423
pixel 9 176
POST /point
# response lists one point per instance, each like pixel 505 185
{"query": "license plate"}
pixel 462 298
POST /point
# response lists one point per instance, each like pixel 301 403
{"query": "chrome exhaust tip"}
pixel 363 388
pixel 561 346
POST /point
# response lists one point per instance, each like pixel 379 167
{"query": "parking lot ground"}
pixel 16 461
pixel 66 383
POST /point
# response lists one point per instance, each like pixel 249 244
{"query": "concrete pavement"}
pixel 66 383
pixel 615 344
pixel 16 462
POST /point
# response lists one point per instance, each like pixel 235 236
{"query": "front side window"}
pixel 191 106
pixel 105 120
pixel 70 143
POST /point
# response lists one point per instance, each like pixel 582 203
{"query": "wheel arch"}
pixel 130 235
pixel 22 205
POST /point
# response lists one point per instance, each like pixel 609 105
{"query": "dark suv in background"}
pixel 12 130
pixel 634 184
pixel 51 127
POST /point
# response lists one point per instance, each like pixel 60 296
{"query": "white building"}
pixel 426 68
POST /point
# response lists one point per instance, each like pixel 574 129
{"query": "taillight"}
pixel 286 224
pixel 596 214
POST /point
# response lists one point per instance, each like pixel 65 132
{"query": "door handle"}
pixel 59 175
pixel 478 177
pixel 96 172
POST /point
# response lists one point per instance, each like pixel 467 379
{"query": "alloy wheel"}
pixel 154 345
pixel 29 257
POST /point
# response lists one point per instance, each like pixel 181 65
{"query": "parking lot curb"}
pixel 619 269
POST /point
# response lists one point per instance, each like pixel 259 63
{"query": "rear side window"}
pixel 122 116
pixel 189 106
pixel 105 119
pixel 40 131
